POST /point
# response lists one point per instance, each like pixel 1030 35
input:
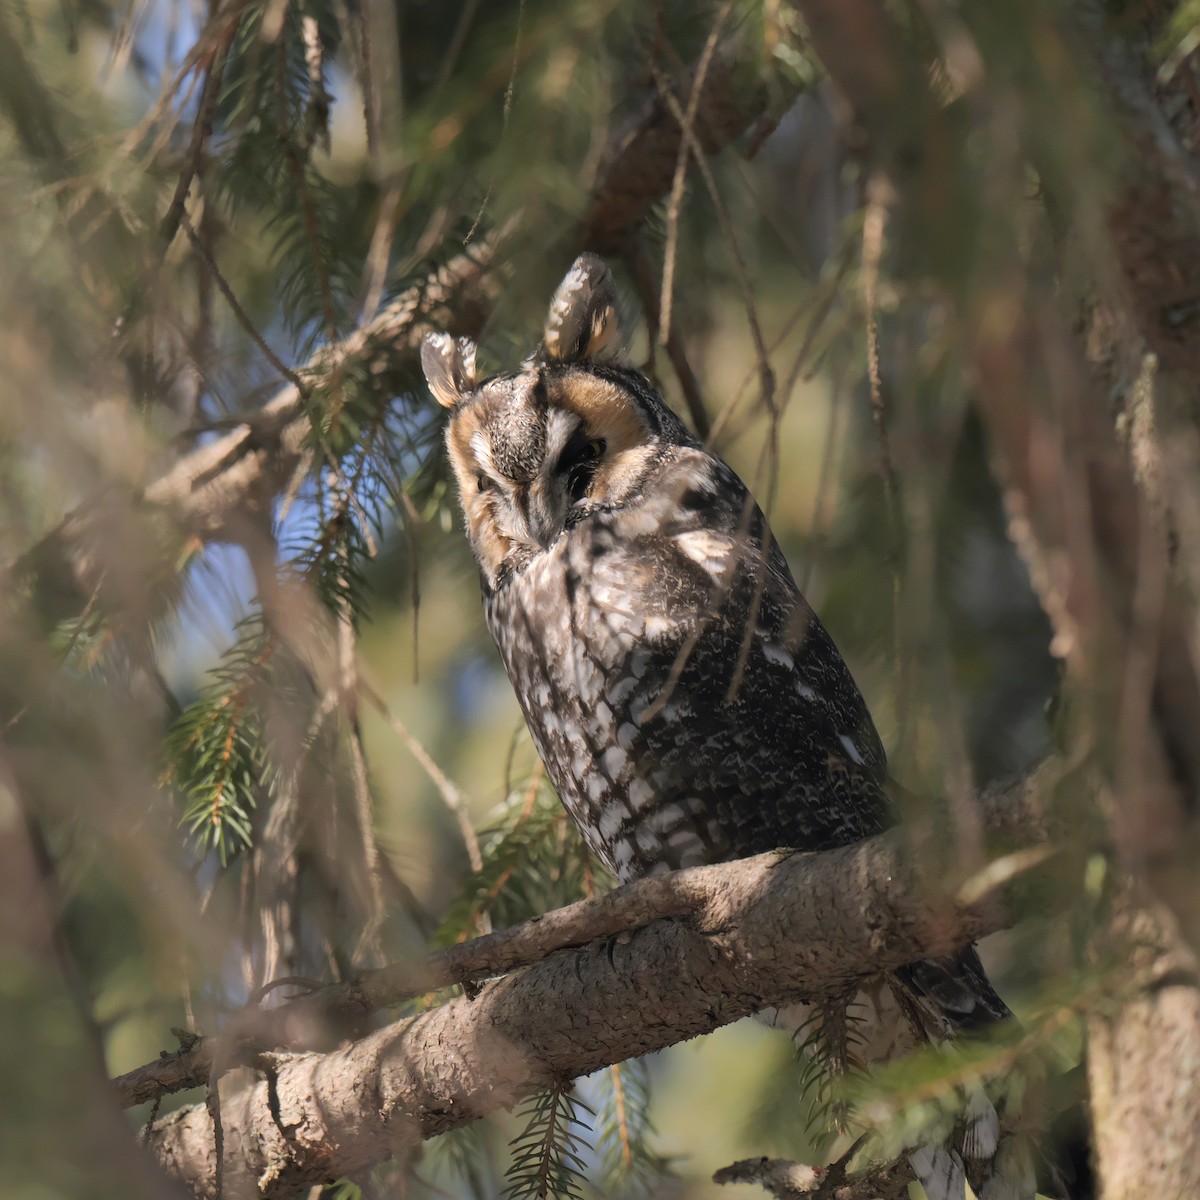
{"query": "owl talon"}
pixel 610 949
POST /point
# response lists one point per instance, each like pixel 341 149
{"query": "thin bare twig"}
pixel 207 492
pixel 874 219
pixel 509 92
pixel 805 364
pixel 766 375
pixel 375 271
pixel 214 34
pixel 259 994
pixel 243 318
pixel 758 930
pixel 675 203
pixel 462 27
pixel 409 517
pixel 369 939
pixel 317 112
pixel 450 794
pixel 122 40
pixel 643 281
pixel 637 168
pixel 201 132
pixel 824 476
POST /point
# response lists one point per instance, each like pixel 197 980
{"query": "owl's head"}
pixel 571 433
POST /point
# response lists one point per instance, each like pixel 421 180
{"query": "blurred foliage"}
pixel 196 199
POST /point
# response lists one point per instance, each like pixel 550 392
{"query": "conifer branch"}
pixel 1078 514
pixel 217 491
pixel 759 932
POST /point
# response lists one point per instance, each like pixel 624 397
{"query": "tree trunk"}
pixel 1144 1063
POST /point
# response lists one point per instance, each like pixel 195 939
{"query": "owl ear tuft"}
pixel 449 367
pixel 582 323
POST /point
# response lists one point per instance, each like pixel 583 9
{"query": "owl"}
pixel 688 704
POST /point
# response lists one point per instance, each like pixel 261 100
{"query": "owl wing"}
pixel 751 731
pixel 748 728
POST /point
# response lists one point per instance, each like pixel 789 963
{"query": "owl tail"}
pixel 941 1172
pixel 953 998
pixel 1001 1167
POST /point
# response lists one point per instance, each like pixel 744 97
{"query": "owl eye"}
pixel 483 483
pixel 579 463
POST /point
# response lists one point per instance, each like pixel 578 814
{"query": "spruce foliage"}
pixel 547 1156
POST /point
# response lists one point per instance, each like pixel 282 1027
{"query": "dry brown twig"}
pixel 643 281
pixel 449 792
pixel 794 1181
pixel 201 132
pixel 1082 518
pixel 675 204
pixel 695 145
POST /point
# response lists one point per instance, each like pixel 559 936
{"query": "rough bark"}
pixel 1144 1052
pixel 300 1024
pixel 1144 1060
pixel 638 167
pixel 763 932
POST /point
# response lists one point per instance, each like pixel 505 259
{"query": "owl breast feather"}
pixel 687 704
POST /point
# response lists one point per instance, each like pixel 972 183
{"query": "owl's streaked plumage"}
pixel 687 703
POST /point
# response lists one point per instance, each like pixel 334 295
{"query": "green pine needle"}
pixel 547 1156
pixel 534 861
pixel 217 751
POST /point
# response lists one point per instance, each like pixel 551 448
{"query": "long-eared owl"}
pixel 687 703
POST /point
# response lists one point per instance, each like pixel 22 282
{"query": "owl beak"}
pixel 544 523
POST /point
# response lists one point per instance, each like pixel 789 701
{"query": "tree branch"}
pixel 639 164
pixel 1087 525
pixel 1154 218
pixel 793 1181
pixel 761 932
pixel 300 1022
pixel 219 491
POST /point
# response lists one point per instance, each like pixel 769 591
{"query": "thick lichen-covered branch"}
pixel 761 932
